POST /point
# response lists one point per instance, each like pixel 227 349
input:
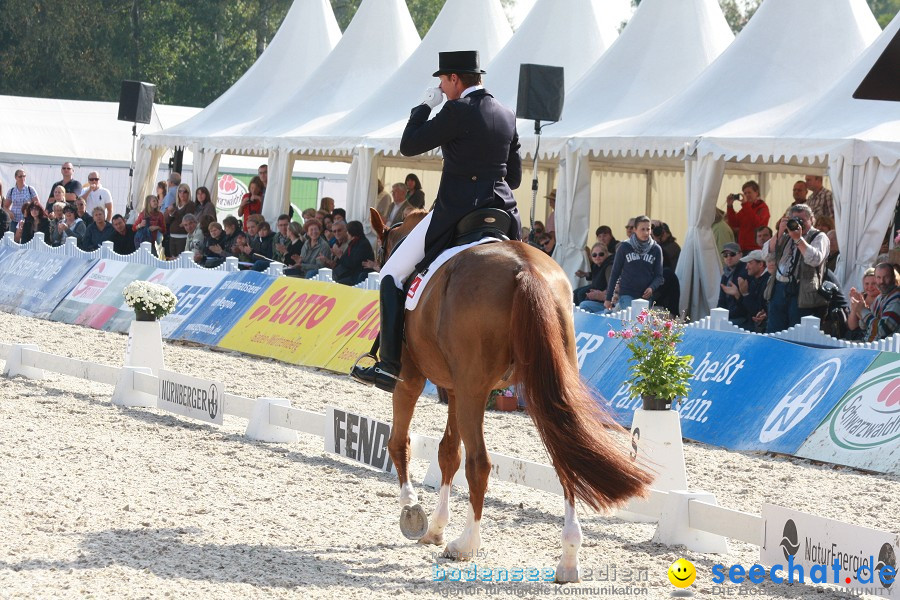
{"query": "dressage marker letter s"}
pixel 361 439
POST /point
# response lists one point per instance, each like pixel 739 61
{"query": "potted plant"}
pixel 150 301
pixel 659 374
pixel 503 399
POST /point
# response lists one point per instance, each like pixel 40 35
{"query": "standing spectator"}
pixel 593 296
pixel 57 217
pixel 96 196
pixel 252 201
pixel 629 228
pixel 81 209
pixel 5 214
pixel 172 183
pixel 881 319
pixel 820 200
pixel 670 248
pixel 72 226
pixel 150 224
pixel 350 269
pixel 753 291
pixel 174 216
pixel 800 256
pixel 383 201
pixel 637 269
pixel 722 233
pixel 34 221
pixel 326 204
pixel 550 228
pixel 799 193
pixel 204 209
pixel 668 295
pixel 71 186
pixel 98 231
pixel 162 190
pixel 59 195
pixel 19 195
pixel 398 208
pixel 729 292
pixel 763 235
pixel 282 239
pixel 754 213
pixel 263 173
pixel 122 237
pixel 415 195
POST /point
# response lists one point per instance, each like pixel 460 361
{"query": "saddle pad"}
pixel 417 288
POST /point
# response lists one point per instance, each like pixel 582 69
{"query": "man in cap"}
pixel 733 270
pixel 749 292
pixel 477 136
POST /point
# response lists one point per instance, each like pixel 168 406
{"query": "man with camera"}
pixel 754 213
pixel 800 255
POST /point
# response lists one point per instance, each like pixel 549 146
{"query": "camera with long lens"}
pixel 794 224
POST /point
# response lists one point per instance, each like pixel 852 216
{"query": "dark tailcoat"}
pixel 477 136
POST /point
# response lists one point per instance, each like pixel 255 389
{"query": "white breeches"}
pixel 402 262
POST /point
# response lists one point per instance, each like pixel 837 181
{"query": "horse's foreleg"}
pixel 413 521
pixel 449 457
pixel 568 571
pixel 478 469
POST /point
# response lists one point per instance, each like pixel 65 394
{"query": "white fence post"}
pixel 324 275
pixel 276 269
pixel 124 393
pixel 260 427
pixel 15 366
pixel 231 264
pixel 675 529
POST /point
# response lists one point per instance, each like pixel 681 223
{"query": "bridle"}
pixel 382 254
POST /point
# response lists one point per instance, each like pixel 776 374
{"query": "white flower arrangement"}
pixel 151 298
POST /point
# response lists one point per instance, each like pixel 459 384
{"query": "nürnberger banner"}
pixel 192 397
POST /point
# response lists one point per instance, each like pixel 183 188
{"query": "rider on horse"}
pixel 478 140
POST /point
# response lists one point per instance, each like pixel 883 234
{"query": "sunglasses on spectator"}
pixel 729 254
pixel 596 254
pixel 93 179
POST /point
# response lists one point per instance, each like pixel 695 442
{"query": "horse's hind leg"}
pixel 568 571
pixel 449 457
pixel 404 399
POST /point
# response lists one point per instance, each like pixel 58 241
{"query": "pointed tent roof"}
pixel 664 46
pixel 461 25
pixel 378 40
pixel 789 52
pixel 835 122
pixel 541 40
pixel 306 36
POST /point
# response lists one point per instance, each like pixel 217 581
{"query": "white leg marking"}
pixel 439 518
pixel 568 570
pixel 466 546
pixel 408 495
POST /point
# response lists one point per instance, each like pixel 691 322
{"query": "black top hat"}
pixel 463 61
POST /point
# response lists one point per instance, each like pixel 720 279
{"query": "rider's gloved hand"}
pixel 433 97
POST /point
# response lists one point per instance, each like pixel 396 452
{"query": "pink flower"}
pixel 669 324
pixel 641 317
pixel 627 334
pixel 657 334
pixel 645 312
pixel 610 334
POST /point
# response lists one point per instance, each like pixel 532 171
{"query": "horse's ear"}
pixel 376 221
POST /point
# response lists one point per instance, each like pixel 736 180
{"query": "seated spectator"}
pixel 56 217
pixel 383 201
pixel 243 251
pixel 204 209
pixel 59 195
pixel 215 247
pixel 72 226
pixel 281 240
pixel 339 214
pixel 629 228
pixel 349 269
pixel 195 237
pixel 722 233
pixel 637 268
pixel 263 244
pixel 729 293
pixel 592 296
pixel 295 247
pixel 34 220
pixel 668 295
pixel 881 318
pixel 752 291
pixel 81 210
pixel 869 293
pixel 252 201
pixel 175 214
pixel 605 236
pixel 5 213
pixel 232 227
pixel 547 243
pixel 670 248
pixel 98 231
pixel 309 213
pixel 339 242
pixel 314 249
pixel 122 237
pixel 754 213
pixel 150 224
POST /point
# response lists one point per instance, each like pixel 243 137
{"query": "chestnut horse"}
pixel 494 315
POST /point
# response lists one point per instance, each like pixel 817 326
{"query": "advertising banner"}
pixel 298 321
pixel 84 297
pixel 358 438
pixel 742 397
pixel 110 313
pixel 191 397
pixel 192 287
pixel 812 549
pixel 358 332
pixel 34 283
pixel 863 430
pixel 222 308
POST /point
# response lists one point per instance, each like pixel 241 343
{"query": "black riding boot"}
pixel 385 373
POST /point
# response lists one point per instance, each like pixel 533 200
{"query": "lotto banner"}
pixel 34 283
pixel 222 308
pixel 192 287
pixel 300 321
pixel 743 396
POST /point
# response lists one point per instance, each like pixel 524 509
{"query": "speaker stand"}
pixel 130 206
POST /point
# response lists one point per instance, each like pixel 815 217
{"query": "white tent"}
pixel 770 71
pixel 860 139
pixel 664 46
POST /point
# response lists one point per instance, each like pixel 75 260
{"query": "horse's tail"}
pixel 589 462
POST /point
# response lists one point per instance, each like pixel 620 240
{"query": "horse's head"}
pixel 389 237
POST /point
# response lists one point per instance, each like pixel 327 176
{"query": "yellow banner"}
pixel 306 322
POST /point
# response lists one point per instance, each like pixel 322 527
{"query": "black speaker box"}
pixel 541 93
pixel 136 101
pixel 883 82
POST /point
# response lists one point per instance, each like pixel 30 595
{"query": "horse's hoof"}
pixel 568 574
pixel 413 522
pixel 433 539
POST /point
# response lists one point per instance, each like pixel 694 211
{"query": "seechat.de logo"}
pixel 790 541
pixel 800 401
pixel 886 558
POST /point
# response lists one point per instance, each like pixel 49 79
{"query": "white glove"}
pixel 433 97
